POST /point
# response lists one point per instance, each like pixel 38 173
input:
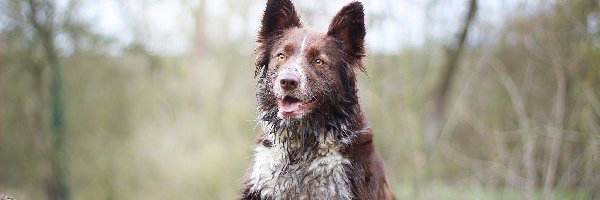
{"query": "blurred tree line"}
pixel 543 133
pixel 508 112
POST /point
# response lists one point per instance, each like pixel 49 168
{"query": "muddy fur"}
pixel 326 153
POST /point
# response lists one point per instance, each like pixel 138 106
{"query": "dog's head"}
pixel 303 72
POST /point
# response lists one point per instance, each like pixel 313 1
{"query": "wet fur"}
pixel 327 154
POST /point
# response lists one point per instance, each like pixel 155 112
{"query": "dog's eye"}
pixel 280 57
pixel 319 62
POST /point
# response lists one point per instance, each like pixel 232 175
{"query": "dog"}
pixel 315 141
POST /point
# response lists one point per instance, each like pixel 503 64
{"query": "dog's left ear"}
pixel 348 26
pixel 279 15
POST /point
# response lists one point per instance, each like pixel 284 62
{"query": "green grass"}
pixel 438 191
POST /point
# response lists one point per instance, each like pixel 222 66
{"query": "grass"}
pixel 437 191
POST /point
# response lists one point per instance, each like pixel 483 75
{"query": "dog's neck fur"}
pixel 303 159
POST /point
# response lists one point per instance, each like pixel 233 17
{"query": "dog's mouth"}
pixel 293 107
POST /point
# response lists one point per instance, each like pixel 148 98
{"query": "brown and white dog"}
pixel 315 142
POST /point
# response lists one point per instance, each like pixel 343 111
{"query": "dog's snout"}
pixel 289 81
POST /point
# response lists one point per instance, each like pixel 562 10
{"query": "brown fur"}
pixel 334 131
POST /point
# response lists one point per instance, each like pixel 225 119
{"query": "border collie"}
pixel 315 141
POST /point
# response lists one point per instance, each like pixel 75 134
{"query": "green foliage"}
pixel 144 124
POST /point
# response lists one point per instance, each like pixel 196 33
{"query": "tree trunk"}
pixel 556 132
pixel 200 34
pixel 57 188
pixel 453 53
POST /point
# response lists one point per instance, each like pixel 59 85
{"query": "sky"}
pixel 166 25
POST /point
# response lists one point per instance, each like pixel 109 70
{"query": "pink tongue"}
pixel 290 107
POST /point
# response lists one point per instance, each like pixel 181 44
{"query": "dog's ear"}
pixel 279 15
pixel 348 26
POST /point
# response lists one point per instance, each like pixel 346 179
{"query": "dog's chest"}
pixel 322 176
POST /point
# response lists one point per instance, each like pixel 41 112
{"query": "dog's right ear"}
pixel 279 15
pixel 348 26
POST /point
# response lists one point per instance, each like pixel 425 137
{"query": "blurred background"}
pixel 133 99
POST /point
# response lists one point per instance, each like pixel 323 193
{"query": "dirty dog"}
pixel 315 142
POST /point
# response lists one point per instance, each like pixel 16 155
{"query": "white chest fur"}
pixel 321 177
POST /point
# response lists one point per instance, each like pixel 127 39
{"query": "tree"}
pixel 41 17
pixel 453 54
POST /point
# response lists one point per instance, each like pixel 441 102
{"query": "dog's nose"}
pixel 289 81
